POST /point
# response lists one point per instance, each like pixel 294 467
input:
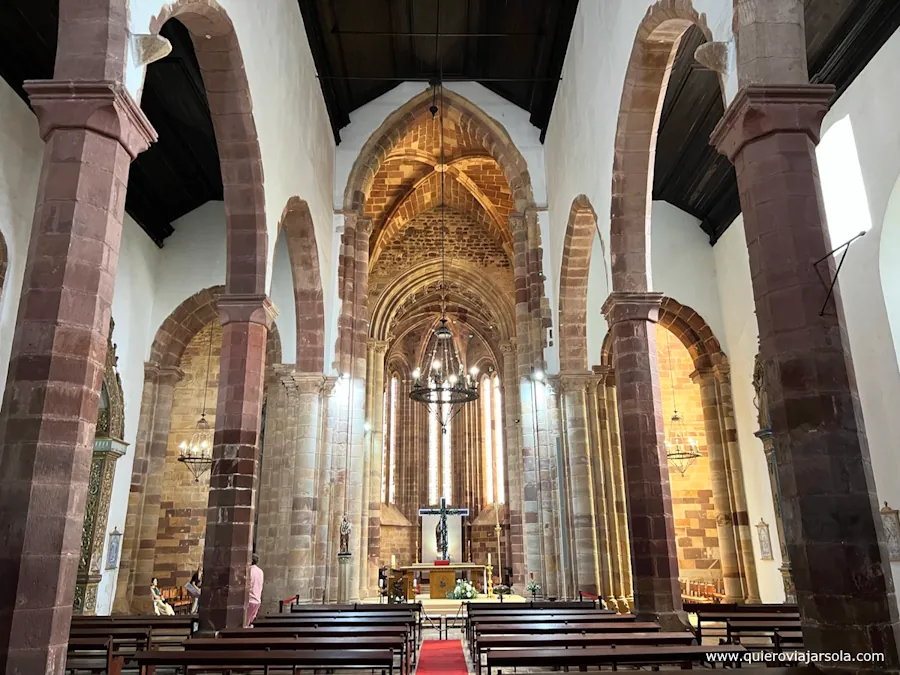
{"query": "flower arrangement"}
pixel 397 600
pixel 463 591
pixel 533 587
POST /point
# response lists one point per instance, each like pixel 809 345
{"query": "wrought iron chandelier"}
pixel 681 450
pixel 441 383
pixel 197 454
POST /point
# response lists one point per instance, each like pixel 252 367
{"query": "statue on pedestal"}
pixel 345 535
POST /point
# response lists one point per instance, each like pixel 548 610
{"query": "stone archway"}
pixel 643 93
pixel 222 67
pixel 712 377
pixel 162 373
pixel 300 237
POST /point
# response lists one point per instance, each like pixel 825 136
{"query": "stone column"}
pixel 509 384
pixel 304 501
pixel 276 472
pixel 657 592
pixel 834 533
pixel 375 382
pixel 718 474
pixel 324 534
pixel 92 130
pixel 743 537
pixel 232 482
pixel 626 599
pixel 582 510
pixel 604 503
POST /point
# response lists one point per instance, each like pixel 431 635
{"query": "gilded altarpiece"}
pixel 108 447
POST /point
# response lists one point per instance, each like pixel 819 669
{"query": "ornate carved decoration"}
pixel 108 447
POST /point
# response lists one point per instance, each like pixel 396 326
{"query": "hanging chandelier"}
pixel 196 455
pixel 681 450
pixel 441 383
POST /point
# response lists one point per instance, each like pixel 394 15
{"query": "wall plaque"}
pixel 765 541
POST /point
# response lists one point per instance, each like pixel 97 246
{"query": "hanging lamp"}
pixel 441 382
pixel 196 455
pixel 681 450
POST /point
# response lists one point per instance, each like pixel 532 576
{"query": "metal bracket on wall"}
pixel 829 284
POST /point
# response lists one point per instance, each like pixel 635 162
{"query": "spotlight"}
pixel 453 379
pixel 538 375
pixel 436 365
pixel 417 374
pixel 474 371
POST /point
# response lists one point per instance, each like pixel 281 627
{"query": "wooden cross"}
pixel 443 512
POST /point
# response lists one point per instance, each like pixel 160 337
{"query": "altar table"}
pixel 441 578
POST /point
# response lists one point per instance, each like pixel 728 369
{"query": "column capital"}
pixel 573 381
pixel 246 308
pixel 759 111
pixel 377 346
pixel 702 374
pixel 621 306
pixel 328 385
pixel 508 346
pixel 309 383
pixel 101 106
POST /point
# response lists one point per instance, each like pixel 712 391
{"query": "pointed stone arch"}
pixel 493 138
pixel 231 108
pixel 573 284
pixel 643 93
pixel 300 237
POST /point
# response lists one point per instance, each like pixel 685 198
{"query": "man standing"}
pixel 256 585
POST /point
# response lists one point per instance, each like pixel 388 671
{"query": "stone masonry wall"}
pixel 182 518
pixel 400 541
pixel 692 497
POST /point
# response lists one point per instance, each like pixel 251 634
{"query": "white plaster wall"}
pixel 580 139
pixel 282 295
pixel 741 334
pixel 136 280
pixel 598 291
pixel 683 264
pixel 295 136
pixel 21 150
pixel 193 258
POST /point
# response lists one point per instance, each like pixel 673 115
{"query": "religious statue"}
pixel 345 535
pixel 440 537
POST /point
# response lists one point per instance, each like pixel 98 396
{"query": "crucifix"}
pixel 440 532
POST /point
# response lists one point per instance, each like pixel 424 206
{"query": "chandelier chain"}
pixel 208 362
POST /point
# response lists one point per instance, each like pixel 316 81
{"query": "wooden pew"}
pixel 767 627
pixel 491 642
pixel 225 660
pixel 678 655
pixel 594 616
pixel 719 614
pixel 396 643
pixel 513 613
pixel 408 621
pixel 93 655
pixel 792 639
pixel 165 633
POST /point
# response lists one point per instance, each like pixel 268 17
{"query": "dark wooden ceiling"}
pixel 178 173
pixel 842 36
pixel 364 48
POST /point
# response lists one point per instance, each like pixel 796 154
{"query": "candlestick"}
pixel 497 514
pixel 489 558
pixel 393 561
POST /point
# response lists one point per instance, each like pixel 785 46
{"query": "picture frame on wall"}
pixel 891 520
pixel 765 540
pixel 112 552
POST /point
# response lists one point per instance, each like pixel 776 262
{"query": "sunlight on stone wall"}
pixel 182 517
pixel 692 497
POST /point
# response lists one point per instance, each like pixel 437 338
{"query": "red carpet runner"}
pixel 442 657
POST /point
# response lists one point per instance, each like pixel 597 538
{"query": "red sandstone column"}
pixel 93 130
pixel 229 519
pixel 513 459
pixel 835 537
pixel 657 594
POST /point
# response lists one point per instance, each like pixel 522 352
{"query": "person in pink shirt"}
pixel 256 585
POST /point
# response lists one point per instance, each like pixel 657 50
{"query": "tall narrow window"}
pixel 392 460
pixel 386 437
pixel 498 441
pixel 487 433
pixel 434 430
pixel 447 482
